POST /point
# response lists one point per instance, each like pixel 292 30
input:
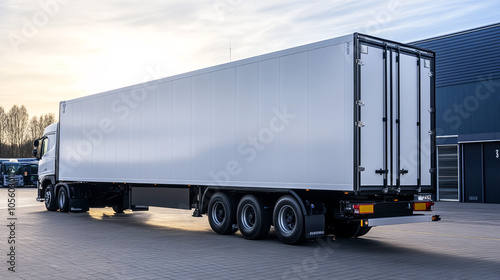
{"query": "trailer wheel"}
pixel 349 230
pixel 362 231
pixel 222 213
pixel 253 219
pixel 50 200
pixel 288 220
pixel 63 200
pixel 118 209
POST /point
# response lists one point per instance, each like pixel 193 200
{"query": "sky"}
pixel 55 50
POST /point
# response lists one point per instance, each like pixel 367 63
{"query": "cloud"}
pixel 91 46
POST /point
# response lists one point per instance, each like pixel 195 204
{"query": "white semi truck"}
pixel 333 137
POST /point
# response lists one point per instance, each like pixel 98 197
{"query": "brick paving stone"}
pixel 170 244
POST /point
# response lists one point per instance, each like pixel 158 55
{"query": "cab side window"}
pixel 45 146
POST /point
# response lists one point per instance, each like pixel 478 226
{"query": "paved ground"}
pixel 170 244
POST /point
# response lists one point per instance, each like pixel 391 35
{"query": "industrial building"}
pixel 468 114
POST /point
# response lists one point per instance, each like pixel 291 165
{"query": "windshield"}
pixel 34 168
pixel 12 169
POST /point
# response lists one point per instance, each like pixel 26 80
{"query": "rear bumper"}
pixel 399 220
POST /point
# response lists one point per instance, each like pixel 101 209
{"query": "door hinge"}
pixel 359 62
pixel 360 124
pixel 361 169
pixel 431 74
pixel 364 49
pixel 360 103
pixel 427 63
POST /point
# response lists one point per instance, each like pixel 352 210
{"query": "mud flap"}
pixel 78 205
pixel 314 226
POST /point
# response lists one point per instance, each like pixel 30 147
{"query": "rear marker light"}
pixel 363 209
pixel 423 206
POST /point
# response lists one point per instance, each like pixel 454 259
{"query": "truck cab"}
pixel 45 152
pixel 30 172
pixel 12 173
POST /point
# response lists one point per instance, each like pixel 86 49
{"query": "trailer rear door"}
pixel 393 116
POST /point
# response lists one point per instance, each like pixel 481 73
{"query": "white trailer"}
pixel 331 137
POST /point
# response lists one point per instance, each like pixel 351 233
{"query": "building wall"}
pixel 468 108
pixel 468 113
pixel 466 57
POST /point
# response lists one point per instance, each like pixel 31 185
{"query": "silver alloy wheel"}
pixel 218 213
pixel 48 197
pixel 287 219
pixel 62 199
pixel 248 216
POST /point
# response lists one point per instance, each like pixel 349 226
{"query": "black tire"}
pixel 50 198
pixel 222 213
pixel 288 220
pixel 118 209
pixel 349 230
pixel 63 200
pixel 253 218
pixel 362 231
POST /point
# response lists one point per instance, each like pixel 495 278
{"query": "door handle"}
pixel 381 171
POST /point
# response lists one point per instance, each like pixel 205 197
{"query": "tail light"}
pixel 363 208
pixel 423 206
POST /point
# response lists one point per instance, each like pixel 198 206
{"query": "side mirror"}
pixel 35 152
pixel 36 143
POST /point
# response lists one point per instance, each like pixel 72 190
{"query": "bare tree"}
pixel 34 128
pixel 35 131
pixel 17 122
pixel 2 130
pixel 46 120
pixel 17 131
pixel 37 125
